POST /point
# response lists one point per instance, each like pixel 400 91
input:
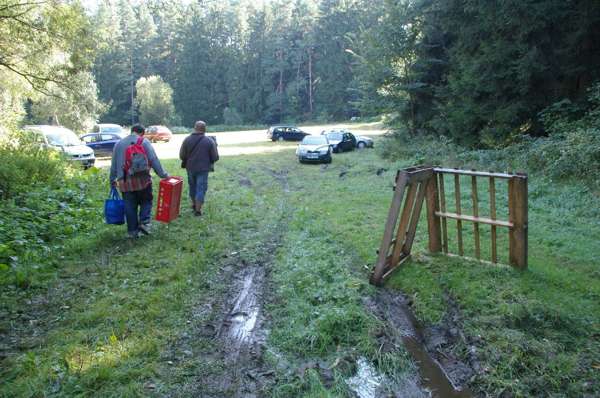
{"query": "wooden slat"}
pixel 473 173
pixel 493 217
pixel 389 228
pixel 433 222
pixel 414 219
pixel 458 212
pixel 420 174
pixel 388 271
pixel 475 199
pixel 409 203
pixel 443 210
pixel 481 220
pixel 518 216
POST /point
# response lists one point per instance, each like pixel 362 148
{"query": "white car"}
pixel 314 148
pixel 66 141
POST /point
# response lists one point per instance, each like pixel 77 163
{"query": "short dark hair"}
pixel 138 129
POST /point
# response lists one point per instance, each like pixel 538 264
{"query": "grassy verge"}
pixel 109 320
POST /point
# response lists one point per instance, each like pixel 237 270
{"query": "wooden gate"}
pixel 426 184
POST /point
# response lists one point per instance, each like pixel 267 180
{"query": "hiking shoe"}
pixel 197 213
pixel 133 235
pixel 146 229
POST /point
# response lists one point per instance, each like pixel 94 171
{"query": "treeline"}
pixel 235 61
pixel 479 72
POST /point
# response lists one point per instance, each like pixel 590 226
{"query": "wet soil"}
pixel 442 374
pixel 232 323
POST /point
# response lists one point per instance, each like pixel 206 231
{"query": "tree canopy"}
pixel 478 72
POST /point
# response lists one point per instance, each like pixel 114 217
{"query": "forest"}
pixel 480 73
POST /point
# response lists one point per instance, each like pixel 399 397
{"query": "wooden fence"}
pixel 426 184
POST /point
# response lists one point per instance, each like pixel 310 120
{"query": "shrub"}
pixel 44 201
pixel 25 164
pixel 572 149
pixel 155 101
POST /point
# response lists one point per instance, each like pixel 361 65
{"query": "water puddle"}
pixel 433 377
pixel 368 382
pixel 243 320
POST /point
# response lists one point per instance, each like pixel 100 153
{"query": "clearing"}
pixel 267 295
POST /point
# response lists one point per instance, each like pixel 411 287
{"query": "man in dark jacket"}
pixel 198 153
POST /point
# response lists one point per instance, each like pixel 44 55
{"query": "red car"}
pixel 158 133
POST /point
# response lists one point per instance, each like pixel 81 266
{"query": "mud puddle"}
pixel 241 328
pixel 367 383
pixel 442 378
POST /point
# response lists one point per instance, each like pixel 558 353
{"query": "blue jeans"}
pixel 198 185
pixel 133 200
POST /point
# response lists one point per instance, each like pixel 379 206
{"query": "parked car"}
pixel 64 140
pixel 364 142
pixel 340 140
pixel 102 143
pixel 109 128
pixel 158 133
pixel 343 140
pixel 314 148
pixel 288 133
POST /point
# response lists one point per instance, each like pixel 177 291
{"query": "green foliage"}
pixel 155 101
pixel 231 116
pixel 479 72
pixel 26 164
pixel 42 45
pixel 74 105
pixel 572 150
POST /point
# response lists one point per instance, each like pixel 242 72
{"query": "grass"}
pixel 116 312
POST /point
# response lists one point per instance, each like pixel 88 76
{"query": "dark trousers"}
pixel 135 200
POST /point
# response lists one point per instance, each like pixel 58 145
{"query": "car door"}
pixel 346 142
pixel 93 141
pixel 107 142
pixel 352 139
pixel 297 134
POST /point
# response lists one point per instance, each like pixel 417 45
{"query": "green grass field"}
pixel 122 318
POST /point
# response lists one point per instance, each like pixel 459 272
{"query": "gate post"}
pixel 517 210
pixel 433 221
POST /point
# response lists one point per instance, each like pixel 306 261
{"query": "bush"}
pixel 25 164
pixel 44 201
pixel 572 150
pixel 154 100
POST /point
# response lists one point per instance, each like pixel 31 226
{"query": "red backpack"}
pixel 136 159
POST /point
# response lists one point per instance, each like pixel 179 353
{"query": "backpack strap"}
pixel 140 140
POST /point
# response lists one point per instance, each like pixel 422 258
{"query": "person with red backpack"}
pixel 133 157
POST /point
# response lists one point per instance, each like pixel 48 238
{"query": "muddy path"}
pixel 442 374
pixel 233 325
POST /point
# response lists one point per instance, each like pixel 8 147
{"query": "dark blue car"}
pixel 101 143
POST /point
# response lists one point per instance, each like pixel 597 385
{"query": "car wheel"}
pixel 328 160
pixel 361 145
pixel 280 138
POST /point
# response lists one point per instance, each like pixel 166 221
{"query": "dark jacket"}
pixel 199 152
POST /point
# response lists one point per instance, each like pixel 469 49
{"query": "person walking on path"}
pixel 133 156
pixel 198 154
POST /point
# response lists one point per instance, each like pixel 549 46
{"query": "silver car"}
pixel 314 148
pixel 66 141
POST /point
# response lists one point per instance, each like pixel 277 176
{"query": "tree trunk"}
pixel 310 82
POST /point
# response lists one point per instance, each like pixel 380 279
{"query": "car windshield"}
pixel 334 136
pixel 314 140
pixel 112 130
pixel 61 137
